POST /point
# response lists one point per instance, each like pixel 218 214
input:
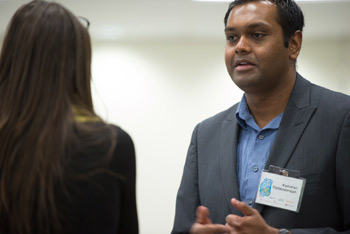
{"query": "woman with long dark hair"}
pixel 62 168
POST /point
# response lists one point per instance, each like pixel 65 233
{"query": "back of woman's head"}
pixel 44 74
pixel 46 57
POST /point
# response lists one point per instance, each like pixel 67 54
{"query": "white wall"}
pixel 158 92
pixel 327 63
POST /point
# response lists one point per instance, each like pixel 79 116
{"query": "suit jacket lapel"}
pixel 228 159
pixel 295 119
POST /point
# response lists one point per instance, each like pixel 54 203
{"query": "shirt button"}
pixel 250 203
pixel 261 137
pixel 255 169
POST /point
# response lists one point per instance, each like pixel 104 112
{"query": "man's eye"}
pixel 257 35
pixel 231 38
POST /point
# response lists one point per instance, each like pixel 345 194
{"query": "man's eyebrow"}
pixel 250 26
pixel 256 25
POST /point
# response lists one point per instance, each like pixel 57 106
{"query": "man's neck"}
pixel 265 107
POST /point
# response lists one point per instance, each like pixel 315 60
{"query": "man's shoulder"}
pixel 306 92
pixel 324 90
pixel 328 97
pixel 228 114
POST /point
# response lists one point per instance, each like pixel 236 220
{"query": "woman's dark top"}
pixel 105 202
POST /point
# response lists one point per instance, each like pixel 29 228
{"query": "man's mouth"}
pixel 243 65
pixel 243 62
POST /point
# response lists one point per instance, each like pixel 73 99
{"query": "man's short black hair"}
pixel 289 16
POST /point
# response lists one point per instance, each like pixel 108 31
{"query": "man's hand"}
pixel 203 224
pixel 252 222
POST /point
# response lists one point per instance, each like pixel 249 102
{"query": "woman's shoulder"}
pixel 122 136
pixel 124 151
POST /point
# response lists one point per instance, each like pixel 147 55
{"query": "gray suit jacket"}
pixel 313 138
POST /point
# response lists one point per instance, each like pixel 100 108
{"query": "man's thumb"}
pixel 203 215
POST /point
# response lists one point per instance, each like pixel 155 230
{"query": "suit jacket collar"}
pixel 295 119
pixel 228 157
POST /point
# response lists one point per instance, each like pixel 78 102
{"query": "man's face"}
pixel 255 56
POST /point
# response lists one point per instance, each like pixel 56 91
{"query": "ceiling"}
pixel 155 20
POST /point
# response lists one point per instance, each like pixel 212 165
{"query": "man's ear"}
pixel 295 42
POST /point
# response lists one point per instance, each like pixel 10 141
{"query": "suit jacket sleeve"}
pixel 188 196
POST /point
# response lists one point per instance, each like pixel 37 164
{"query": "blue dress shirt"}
pixel 253 148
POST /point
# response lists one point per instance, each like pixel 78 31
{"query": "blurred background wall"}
pixel 158 69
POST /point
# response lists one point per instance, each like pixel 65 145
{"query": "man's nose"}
pixel 243 45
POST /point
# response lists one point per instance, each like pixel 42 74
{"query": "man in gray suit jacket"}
pixel 282 120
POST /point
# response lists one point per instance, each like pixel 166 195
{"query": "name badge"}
pixel 281 188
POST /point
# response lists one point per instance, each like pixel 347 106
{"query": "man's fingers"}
pixel 219 228
pixel 233 220
pixel 203 224
pixel 242 207
pixel 209 229
pixel 203 215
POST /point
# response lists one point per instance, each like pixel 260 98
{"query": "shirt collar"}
pixel 245 118
pixel 242 113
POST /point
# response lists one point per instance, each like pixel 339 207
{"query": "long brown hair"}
pixel 44 72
